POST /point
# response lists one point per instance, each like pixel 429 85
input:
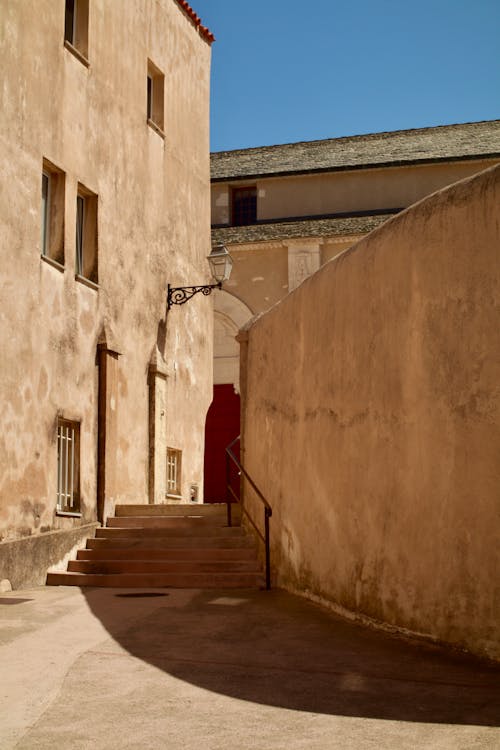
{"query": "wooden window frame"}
pixel 76 29
pixel 86 236
pixel 52 214
pixel 155 98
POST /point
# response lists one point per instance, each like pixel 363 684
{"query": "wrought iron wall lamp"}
pixel 220 263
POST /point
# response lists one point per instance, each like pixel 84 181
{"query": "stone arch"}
pixel 230 314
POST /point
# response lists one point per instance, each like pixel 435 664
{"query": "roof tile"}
pixel 333 227
pixel 445 142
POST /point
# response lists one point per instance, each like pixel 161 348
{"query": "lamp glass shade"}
pixel 220 263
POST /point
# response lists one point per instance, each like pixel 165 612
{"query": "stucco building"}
pixel 104 152
pixel 284 211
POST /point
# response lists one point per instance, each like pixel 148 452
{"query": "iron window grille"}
pixel 68 466
pixel 174 462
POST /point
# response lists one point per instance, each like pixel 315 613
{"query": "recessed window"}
pixel 86 234
pixel 52 209
pixel 76 27
pixel 68 466
pixel 174 462
pixel 155 88
pixel 244 202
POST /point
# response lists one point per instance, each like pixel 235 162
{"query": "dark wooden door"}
pixel 222 426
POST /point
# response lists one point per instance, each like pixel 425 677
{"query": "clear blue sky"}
pixel 291 70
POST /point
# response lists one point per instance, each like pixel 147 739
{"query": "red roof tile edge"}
pixel 204 31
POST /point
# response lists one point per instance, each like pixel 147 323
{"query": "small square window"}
pixel 86 234
pixel 155 99
pixel 68 466
pixel 244 202
pixel 76 27
pixel 52 219
pixel 174 465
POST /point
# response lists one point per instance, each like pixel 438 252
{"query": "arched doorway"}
pixel 223 417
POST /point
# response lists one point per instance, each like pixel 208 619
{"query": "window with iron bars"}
pixel 68 466
pixel 244 203
pixel 174 461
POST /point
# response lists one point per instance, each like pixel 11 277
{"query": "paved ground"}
pixel 217 670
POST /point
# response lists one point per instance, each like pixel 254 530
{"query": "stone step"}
pixel 158 580
pixel 174 555
pixel 167 522
pixel 179 509
pixel 167 546
pixel 137 532
pixel 170 542
pixel 162 566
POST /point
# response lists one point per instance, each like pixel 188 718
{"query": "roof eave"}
pixel 354 167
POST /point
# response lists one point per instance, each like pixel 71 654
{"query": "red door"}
pixel 222 426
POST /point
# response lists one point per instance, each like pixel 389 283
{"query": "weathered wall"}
pixel 153 228
pixel 372 421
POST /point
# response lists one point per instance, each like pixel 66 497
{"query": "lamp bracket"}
pixel 179 295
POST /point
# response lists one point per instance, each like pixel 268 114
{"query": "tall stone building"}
pixel 105 200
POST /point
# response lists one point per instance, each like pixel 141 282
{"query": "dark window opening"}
pixel 86 235
pixel 150 98
pixel 52 219
pixel 69 21
pixel 155 97
pixel 244 206
pixel 76 28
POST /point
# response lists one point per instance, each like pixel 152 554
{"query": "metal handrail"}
pixel 268 511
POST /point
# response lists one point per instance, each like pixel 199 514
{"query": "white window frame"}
pixel 68 466
pixel 174 468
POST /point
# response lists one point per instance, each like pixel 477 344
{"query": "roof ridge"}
pixel 359 136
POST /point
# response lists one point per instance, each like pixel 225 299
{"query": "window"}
pixel 68 466
pixel 174 460
pixel 86 235
pixel 244 206
pixel 45 212
pixel 52 219
pixel 76 28
pixel 155 87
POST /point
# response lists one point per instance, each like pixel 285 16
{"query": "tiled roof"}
pixel 204 31
pixel 446 142
pixel 333 227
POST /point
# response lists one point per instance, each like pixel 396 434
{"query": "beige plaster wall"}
pixel 371 422
pixel 260 274
pixel 263 273
pixel 91 123
pixel 339 192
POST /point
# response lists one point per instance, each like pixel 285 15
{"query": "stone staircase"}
pixel 173 546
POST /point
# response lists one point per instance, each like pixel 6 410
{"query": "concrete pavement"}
pixel 209 670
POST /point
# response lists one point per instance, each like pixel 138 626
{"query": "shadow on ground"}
pixel 276 649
